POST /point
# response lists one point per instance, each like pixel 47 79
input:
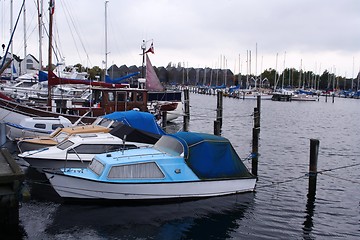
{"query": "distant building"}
pixel 19 66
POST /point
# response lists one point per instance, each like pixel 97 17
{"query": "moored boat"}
pixel 35 127
pixel 180 166
pixel 135 119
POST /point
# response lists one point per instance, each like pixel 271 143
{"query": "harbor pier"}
pixel 11 178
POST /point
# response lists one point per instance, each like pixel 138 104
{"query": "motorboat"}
pixel 35 127
pixel 77 150
pixel 184 165
pixel 140 120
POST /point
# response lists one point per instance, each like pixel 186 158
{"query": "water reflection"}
pixel 201 219
pixel 310 207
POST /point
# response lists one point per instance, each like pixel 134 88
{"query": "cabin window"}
pixel 139 97
pixel 111 96
pixel 99 148
pixel 40 125
pixel 55 126
pixel 65 144
pixel 96 166
pixel 121 97
pixel 136 171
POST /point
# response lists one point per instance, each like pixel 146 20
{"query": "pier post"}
pixel 333 98
pixel 217 128
pixel 314 151
pixel 164 120
pixel 219 108
pixel 258 104
pixel 255 142
pixel 187 111
pixel 326 97
pixel 2 133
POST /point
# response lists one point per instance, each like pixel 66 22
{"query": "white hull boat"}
pixel 180 166
pixel 76 151
pixel 30 127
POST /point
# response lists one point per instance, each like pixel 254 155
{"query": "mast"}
pixel 11 43
pixel 106 47
pixel 25 44
pixel 51 13
pixel 143 47
pixel 40 22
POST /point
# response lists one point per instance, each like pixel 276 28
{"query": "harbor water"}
pixel 278 209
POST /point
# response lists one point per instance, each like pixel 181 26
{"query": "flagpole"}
pixel 143 47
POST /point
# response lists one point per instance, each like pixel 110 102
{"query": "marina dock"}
pixel 11 177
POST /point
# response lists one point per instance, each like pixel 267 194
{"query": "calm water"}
pixel 279 209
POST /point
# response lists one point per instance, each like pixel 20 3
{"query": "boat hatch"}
pixel 149 170
pixel 87 135
pixel 99 148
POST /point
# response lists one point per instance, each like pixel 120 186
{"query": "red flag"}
pixel 52 6
pixel 151 49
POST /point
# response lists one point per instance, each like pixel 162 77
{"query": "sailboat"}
pixel 103 98
pixel 160 99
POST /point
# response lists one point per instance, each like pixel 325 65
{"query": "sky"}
pixel 242 35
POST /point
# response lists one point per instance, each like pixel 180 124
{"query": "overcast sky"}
pixel 310 34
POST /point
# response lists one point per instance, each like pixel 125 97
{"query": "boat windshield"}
pixel 65 144
pixel 96 166
pixel 169 145
pixel 61 136
pixel 105 122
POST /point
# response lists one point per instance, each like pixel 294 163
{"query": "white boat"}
pixel 77 150
pixel 35 127
pixel 180 166
pixel 159 99
pixel 139 120
pixel 304 97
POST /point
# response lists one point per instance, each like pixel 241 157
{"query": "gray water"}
pixel 279 209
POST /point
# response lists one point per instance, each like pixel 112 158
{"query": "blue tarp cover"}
pixel 140 120
pixel 211 156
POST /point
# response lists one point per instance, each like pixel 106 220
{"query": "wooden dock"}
pixel 11 178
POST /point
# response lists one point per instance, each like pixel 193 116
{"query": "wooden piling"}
pixel 187 110
pixel 164 119
pixel 255 142
pixel 333 98
pixel 219 108
pixel 255 151
pixel 2 133
pixel 326 97
pixel 217 128
pixel 258 104
pixel 314 151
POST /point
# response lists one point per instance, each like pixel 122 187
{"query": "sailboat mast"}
pixel 25 44
pixel 11 43
pixel 40 22
pixel 106 47
pixel 143 47
pixel 51 13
